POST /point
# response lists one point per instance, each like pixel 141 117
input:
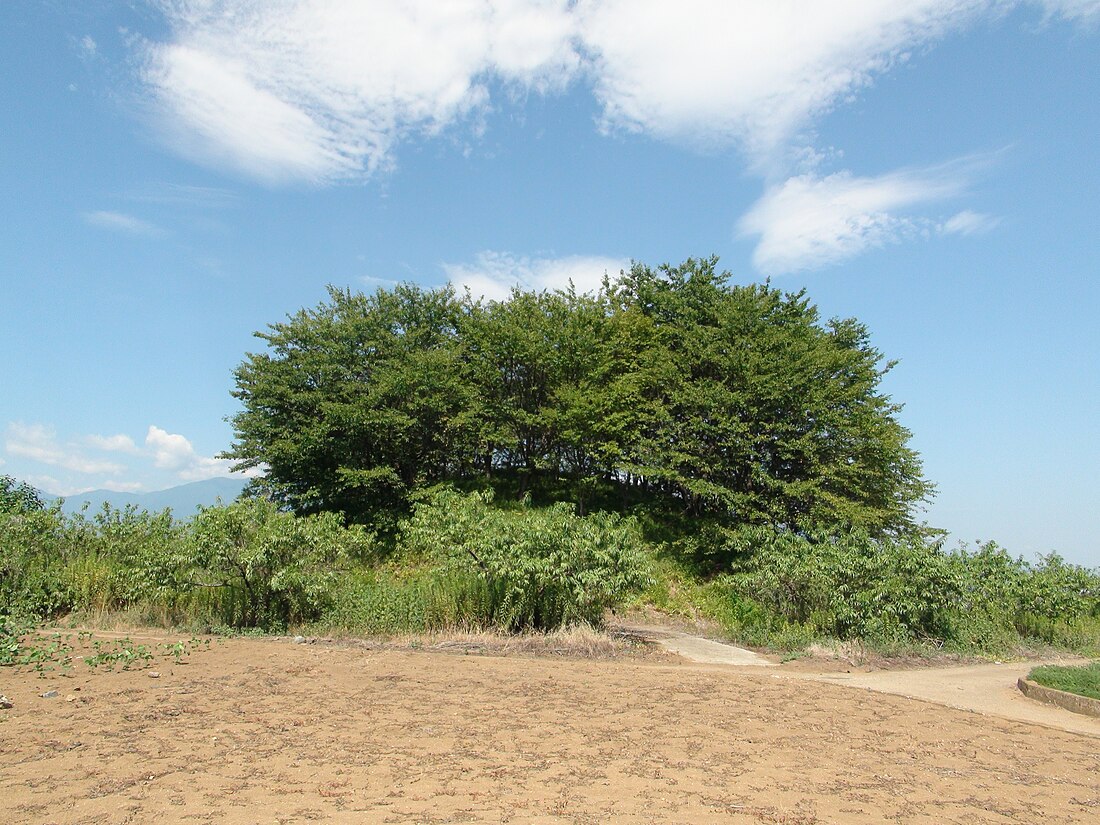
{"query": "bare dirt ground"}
pixel 269 731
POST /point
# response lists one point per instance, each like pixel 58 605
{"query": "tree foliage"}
pixel 18 496
pixel 669 386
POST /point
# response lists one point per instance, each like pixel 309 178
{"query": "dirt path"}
pixel 269 731
pixel 988 688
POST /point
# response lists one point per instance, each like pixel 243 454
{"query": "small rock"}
pixel 299 640
pixel 5 702
pixel 49 694
pixel 154 674
pixel 71 697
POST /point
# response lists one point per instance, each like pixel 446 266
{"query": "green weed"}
pixel 1084 680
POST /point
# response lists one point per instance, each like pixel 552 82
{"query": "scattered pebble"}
pixel 154 674
pixel 299 640
pixel 49 694
pixel 5 702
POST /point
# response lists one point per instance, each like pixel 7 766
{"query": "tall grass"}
pixel 462 562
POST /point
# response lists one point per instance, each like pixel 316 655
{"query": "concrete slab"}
pixel 697 649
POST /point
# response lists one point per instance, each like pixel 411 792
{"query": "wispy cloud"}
pixel 492 275
pixel 324 90
pixel 178 194
pixel 1087 11
pixel 321 91
pixel 119 222
pixel 39 443
pixel 968 222
pixel 53 486
pixel 756 72
pixel 807 221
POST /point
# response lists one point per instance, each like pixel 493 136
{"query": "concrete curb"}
pixel 1069 701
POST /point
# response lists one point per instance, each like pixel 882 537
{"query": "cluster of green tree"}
pixel 669 387
pixel 768 482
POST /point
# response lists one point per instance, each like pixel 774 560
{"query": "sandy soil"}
pixel 269 731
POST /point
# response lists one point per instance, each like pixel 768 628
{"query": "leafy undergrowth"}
pixel 53 652
pixel 469 562
pixel 1083 680
pixel 803 602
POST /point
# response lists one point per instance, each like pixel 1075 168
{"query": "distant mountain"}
pixel 182 500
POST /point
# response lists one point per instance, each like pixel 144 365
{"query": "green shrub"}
pixel 272 568
pixel 848 585
pixel 34 546
pixel 541 568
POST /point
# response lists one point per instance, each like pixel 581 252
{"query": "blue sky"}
pixel 177 175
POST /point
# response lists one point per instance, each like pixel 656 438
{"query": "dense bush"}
pixel 849 585
pixel 543 568
pixel 33 550
pixel 897 592
pixel 273 567
pixel 245 565
pixel 464 560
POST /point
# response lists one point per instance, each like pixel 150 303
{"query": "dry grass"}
pixel 580 641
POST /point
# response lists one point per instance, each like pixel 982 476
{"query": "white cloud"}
pixel 375 282
pixel 39 443
pixel 113 443
pixel 494 274
pixel 171 451
pixel 119 222
pixel 752 72
pixel 324 90
pixel 968 222
pixel 321 91
pixel 808 221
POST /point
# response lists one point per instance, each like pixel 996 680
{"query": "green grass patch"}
pixel 1084 680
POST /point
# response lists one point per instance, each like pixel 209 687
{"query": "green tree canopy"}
pixel 18 496
pixel 669 385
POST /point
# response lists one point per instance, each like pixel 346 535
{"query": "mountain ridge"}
pixel 183 500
